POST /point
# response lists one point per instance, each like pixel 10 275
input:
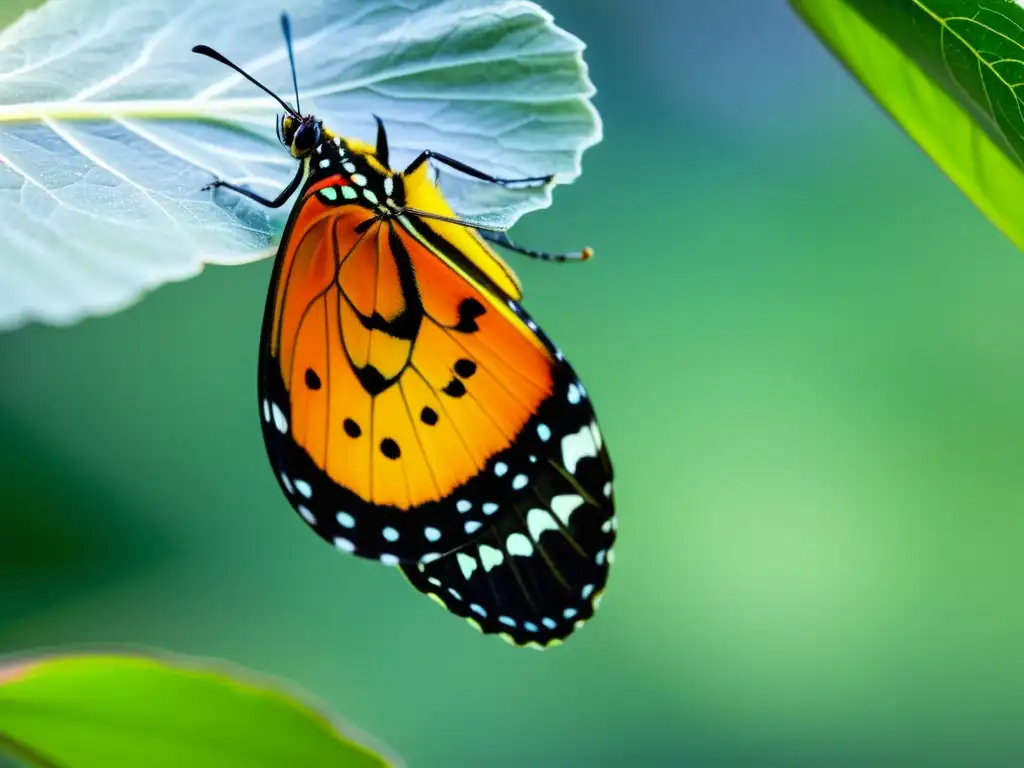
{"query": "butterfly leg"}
pixel 277 202
pixel 429 154
pixel 502 239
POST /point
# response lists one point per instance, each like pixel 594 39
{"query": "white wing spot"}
pixel 304 488
pixel 306 514
pixel 573 394
pixel 531 325
pixel 539 520
pixel 608 490
pixel 472 526
pixel 325 162
pixel 389 185
pixel 569 613
pixel 279 418
pixel 454 594
pixel 369 195
pixel 507 621
pixel 390 560
pixel 287 483
pixel 544 432
pixel 500 468
pixel 489 508
pixel 349 167
pixel 576 446
pixel 359 179
pixel 519 482
pixel 345 520
pixel 518 544
pixel 344 545
pixel 390 533
pixel 549 623
pixel 435 582
pixel 430 557
pixel 467 564
pixel 463 506
pixel 565 505
pixel 431 533
pixel 588 590
pixel 266 411
pixel 529 626
pixel 490 557
pixel 348 193
pixel 478 610
pixel 606 526
pixel 599 559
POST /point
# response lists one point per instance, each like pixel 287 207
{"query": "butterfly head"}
pixel 300 134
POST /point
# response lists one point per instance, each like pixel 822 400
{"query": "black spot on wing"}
pixel 465 367
pixel 454 388
pixel 469 310
pixel 373 380
pixel 390 448
pixel 543 553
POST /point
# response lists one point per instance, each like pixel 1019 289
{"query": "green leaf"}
pixel 100 711
pixel 110 126
pixel 950 73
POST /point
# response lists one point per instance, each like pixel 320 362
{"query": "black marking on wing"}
pixel 537 570
pixel 341 517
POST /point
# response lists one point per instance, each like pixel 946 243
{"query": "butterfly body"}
pixel 413 412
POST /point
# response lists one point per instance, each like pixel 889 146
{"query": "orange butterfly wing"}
pixel 415 414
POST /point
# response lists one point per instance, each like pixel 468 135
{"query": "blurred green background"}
pixel 807 353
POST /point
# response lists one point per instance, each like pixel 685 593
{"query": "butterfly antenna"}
pixel 205 50
pixel 498 236
pixel 448 219
pixel 286 27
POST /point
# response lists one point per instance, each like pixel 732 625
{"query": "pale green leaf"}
pixel 110 126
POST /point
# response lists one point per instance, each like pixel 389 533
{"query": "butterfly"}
pixel 412 410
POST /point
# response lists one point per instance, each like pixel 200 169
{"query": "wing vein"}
pixel 419 441
pixel 511 393
pixel 448 416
